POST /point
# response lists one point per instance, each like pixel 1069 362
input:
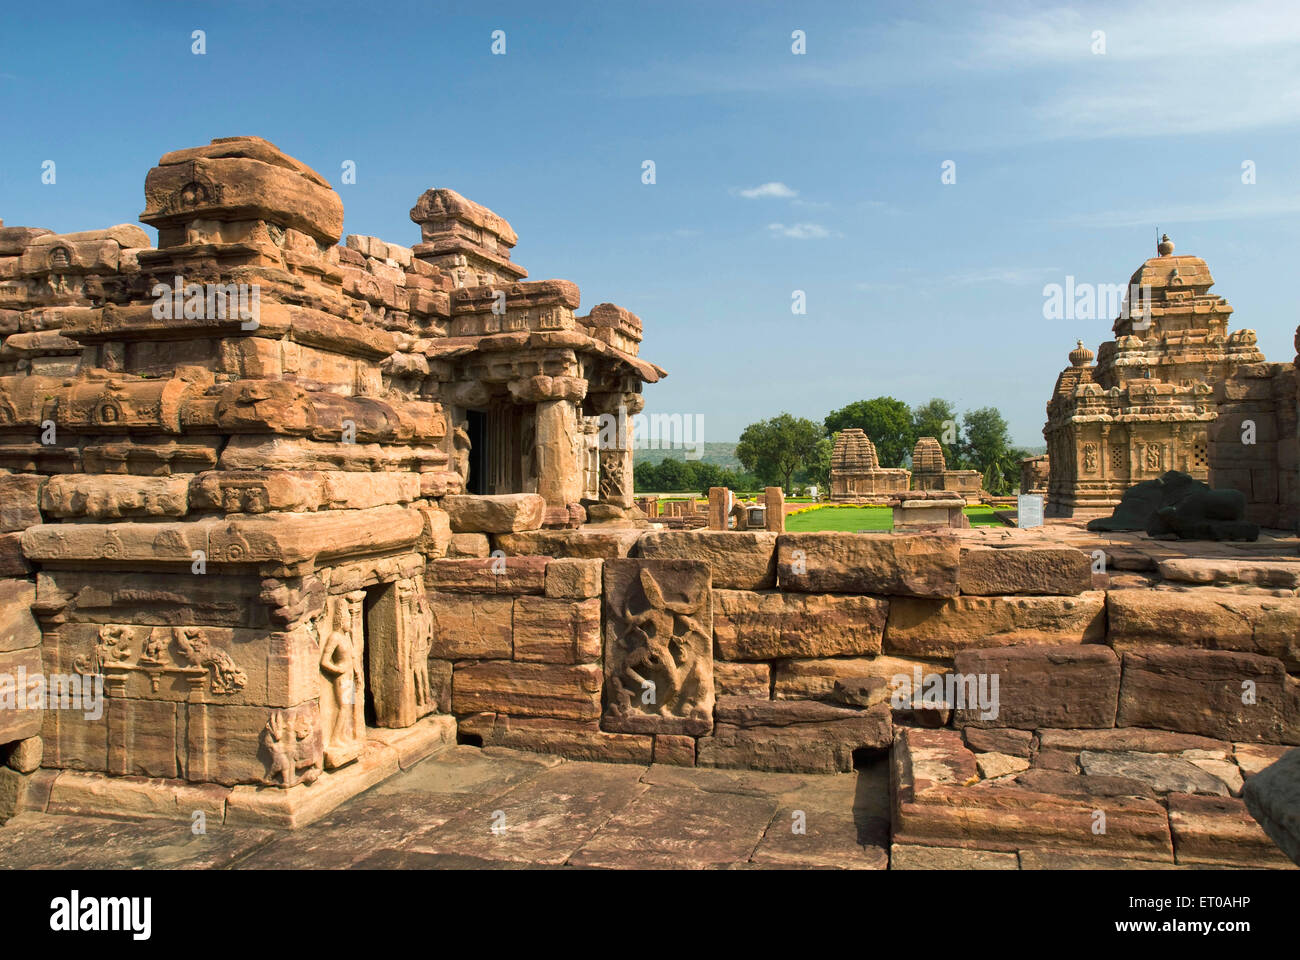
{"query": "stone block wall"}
pixel 1254 444
pixel 804 637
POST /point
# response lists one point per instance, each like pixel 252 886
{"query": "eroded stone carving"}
pixel 292 742
pixel 658 647
pixel 176 651
pixel 343 720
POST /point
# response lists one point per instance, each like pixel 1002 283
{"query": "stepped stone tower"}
pixel 855 468
pixel 1145 406
pixel 930 470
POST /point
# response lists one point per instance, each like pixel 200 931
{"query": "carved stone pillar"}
pixel 558 450
pixel 615 441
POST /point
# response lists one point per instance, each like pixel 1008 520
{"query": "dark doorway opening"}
pixel 373 596
pixel 478 453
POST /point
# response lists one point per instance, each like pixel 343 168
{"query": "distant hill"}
pixel 718 454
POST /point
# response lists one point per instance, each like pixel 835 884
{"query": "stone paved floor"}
pixel 548 813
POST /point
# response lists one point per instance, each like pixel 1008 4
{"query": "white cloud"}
pixel 799 231
pixel 1209 68
pixel 772 189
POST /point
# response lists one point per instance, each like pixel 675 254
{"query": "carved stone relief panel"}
pixel 342 679
pixel 658 647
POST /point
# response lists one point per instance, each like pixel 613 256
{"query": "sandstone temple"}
pixel 856 472
pixel 1171 392
pixel 281 518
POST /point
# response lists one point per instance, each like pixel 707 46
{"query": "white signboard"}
pixel 1029 510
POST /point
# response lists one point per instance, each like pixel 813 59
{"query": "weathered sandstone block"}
pixel 167 599
pixel 114 497
pixel 19 502
pixel 742 679
pixel 1161 773
pixel 572 739
pixel 467 545
pixel 1015 743
pixel 816 679
pixel 18 628
pixel 1206 618
pixel 934 804
pixel 469 627
pixel 21 685
pixel 12 561
pixel 658 647
pixel 1279 573
pixel 24 755
pixel 1206 692
pixel 740 560
pixel 571 578
pixel 585 544
pixel 1253 758
pixel 914 856
pixel 488 575
pixel 940 628
pixel 556 630
pixel 1044 686
pixel 801 747
pixel 527 689
pixel 503 513
pixel 1131 740
pixel 1220 831
pixel 1033 570
pixel 674 750
pixel 241 179
pixel 776 625
pixel 921 566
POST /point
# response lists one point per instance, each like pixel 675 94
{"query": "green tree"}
pixel 818 469
pixel 886 420
pixel 774 449
pixel 986 441
pixel 938 418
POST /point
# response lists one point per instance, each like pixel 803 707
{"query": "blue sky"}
pixel 1066 163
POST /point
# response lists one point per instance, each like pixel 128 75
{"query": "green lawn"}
pixel 853 519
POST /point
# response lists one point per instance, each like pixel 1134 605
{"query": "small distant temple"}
pixel 856 473
pixel 930 470
pixel 1147 405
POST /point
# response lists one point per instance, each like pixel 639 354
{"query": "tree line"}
pixel 793 450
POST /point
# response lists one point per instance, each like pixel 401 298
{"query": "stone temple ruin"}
pixel 305 514
pixel 1171 392
pixel 930 471
pixel 856 472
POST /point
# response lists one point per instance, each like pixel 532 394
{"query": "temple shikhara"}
pixel 1150 402
pixel 282 518
pixel 856 472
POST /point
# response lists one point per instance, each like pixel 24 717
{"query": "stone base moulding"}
pixel 83 793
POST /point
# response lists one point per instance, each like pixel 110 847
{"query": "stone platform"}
pixel 550 813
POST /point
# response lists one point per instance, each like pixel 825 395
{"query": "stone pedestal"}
pixel 929 510
pixel 774 500
pixel 720 499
